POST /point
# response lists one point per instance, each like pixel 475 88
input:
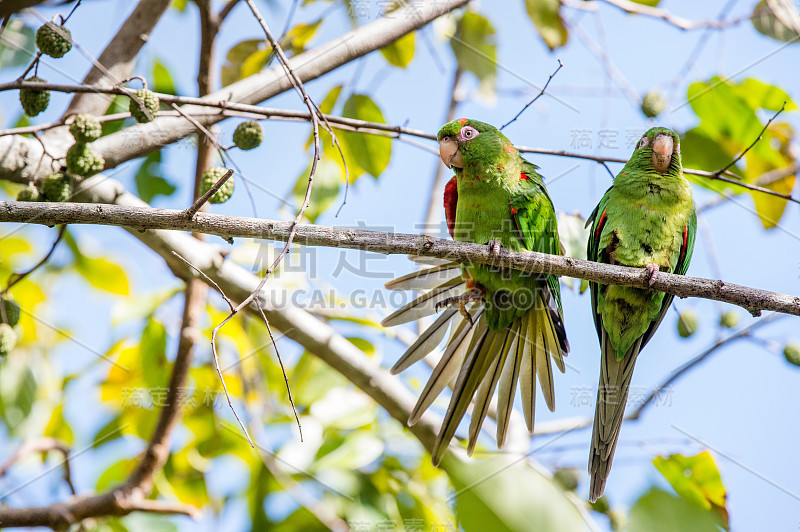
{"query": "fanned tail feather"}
pixel 447 368
pixel 612 394
pixel 478 360
pixel 424 305
pixel 427 278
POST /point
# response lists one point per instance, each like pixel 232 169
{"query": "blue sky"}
pixel 738 403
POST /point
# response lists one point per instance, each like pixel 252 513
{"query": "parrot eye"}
pixel 642 143
pixel 467 133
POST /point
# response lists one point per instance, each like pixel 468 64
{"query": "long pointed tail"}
pixel 612 394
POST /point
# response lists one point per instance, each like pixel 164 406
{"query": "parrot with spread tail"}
pixel 645 220
pixel 506 326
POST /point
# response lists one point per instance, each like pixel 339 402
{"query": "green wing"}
pixel 535 219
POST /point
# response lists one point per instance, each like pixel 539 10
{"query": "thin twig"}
pixel 190 211
pixel 541 93
pixel 208 279
pixel 675 375
pixel 17 277
pixel 283 369
pixel 679 22
pixel 313 110
pixel 41 445
pixel 764 129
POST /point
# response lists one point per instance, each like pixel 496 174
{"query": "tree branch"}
pixel 634 8
pixel 144 218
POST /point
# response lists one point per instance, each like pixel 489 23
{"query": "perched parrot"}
pixel 506 324
pixel 645 220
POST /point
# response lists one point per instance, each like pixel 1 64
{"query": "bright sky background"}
pixel 740 403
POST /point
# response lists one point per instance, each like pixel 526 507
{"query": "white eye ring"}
pixel 642 143
pixel 467 133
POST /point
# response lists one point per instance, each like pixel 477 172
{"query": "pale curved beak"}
pixel 663 148
pixel 449 152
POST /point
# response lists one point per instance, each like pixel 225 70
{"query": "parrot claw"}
pixel 461 302
pixel 652 271
pixel 494 248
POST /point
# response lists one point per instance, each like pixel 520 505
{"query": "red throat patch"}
pixel 523 177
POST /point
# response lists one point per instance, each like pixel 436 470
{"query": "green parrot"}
pixel 506 324
pixel 645 220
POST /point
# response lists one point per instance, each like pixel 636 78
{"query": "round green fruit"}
pixel 792 353
pixel 82 160
pixel 8 339
pixel 57 187
pixel 29 193
pixel 687 323
pixel 53 40
pixel 151 103
pixel 652 104
pixel 567 478
pixel 34 101
pixel 12 311
pixel 729 319
pixel 617 520
pixel 211 176
pixel 85 128
pixel 248 135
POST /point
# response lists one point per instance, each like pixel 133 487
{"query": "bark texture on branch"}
pixel 147 218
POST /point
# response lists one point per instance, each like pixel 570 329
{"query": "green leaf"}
pixel 116 473
pixel 330 100
pixel 298 37
pixel 162 79
pixel 118 105
pixel 153 351
pixel 179 5
pixel 371 152
pixel 327 181
pixel 695 478
pixel 761 95
pixel 149 183
pixel 58 428
pixel 235 58
pixel 651 3
pixel 400 52
pixel 104 274
pixel 659 511
pixel 475 47
pixel 730 122
pixel 18 44
pixel 504 494
pixel 547 19
pixel 108 432
pixel 775 19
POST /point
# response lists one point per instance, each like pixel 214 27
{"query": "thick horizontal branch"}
pixel 147 218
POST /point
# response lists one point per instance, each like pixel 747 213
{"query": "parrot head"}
pixel 466 142
pixel 659 148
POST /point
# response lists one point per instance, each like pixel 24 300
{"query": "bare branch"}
pixel 17 277
pixel 679 22
pixel 41 445
pixel 541 93
pixel 737 159
pixel 143 218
